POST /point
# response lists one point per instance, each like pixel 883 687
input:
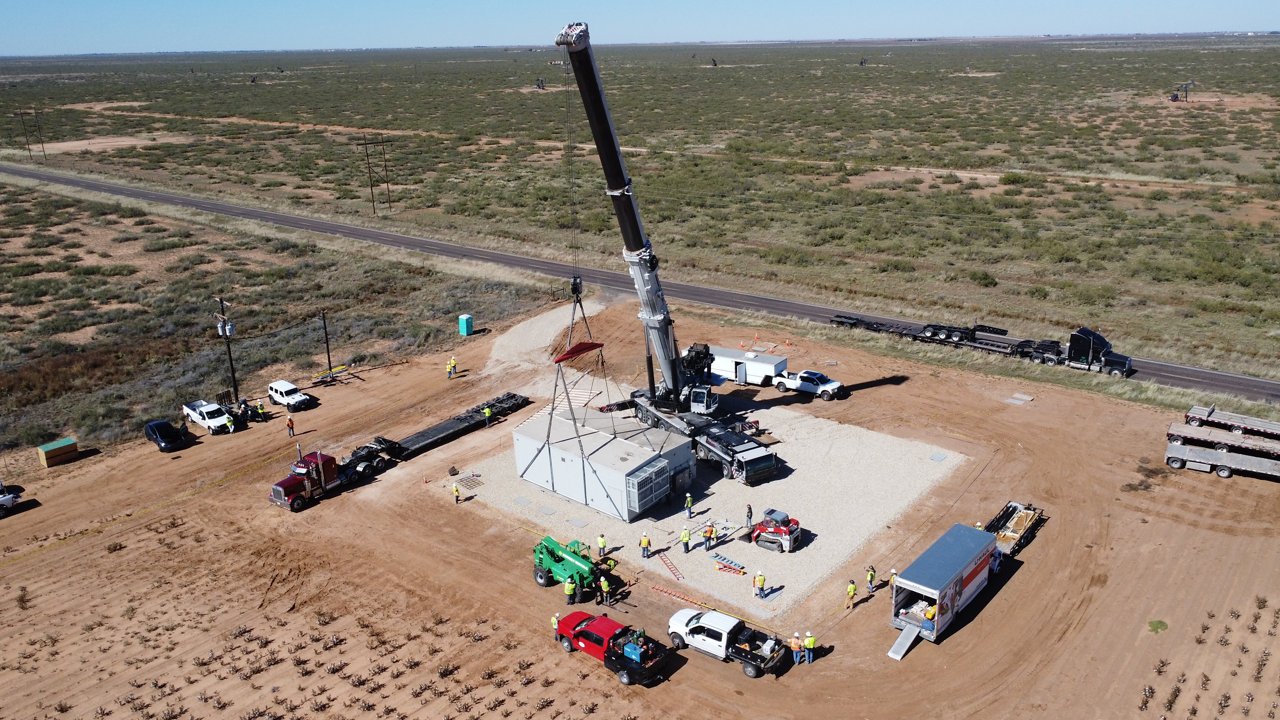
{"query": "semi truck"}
pixel 316 475
pixel 665 404
pixel 635 658
pixel 726 638
pixel 1085 350
pixel 1236 423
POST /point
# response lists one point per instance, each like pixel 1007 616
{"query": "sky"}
pixel 65 27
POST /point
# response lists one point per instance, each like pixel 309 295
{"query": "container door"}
pixel 740 373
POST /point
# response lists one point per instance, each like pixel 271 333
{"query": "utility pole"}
pixel 384 178
pixel 328 357
pixel 226 329
pixel 26 136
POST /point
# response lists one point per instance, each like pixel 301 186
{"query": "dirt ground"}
pixel 141 585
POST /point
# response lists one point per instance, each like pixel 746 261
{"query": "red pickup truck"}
pixel 631 655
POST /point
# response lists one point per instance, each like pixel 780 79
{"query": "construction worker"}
pixel 893 578
pixel 604 591
pixel 748 516
pixel 871 581
pixel 688 505
pixel 457 494
pixel 850 592
pixel 600 541
pixel 709 537
pixel 555 626
pixel 759 583
pixel 569 590
pixel 289 425
pixel 797 656
pixel 810 643
pixel 644 545
pixel 488 415
pixel 451 367
pixel 231 425
pixel 262 412
pixel 684 539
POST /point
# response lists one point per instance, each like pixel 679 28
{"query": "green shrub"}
pixel 983 278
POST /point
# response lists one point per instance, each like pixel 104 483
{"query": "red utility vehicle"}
pixel 776 531
pixel 630 654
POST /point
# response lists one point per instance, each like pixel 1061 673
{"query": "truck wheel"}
pixel 751 670
pixel 1050 361
pixel 781 387
pixel 624 677
pixel 297 504
pixel 1194 421
pixel 3 512
pixel 379 464
pixel 1176 463
pixel 826 395
pixel 677 641
pixel 567 644
pixel 273 401
pixel 542 577
pixel 1116 372
pixel 1223 471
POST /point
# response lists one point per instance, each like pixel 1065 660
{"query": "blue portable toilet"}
pixel 465 326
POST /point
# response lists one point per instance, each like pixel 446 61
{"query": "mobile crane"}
pixel 678 404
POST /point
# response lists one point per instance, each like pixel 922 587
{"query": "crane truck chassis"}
pixel 666 404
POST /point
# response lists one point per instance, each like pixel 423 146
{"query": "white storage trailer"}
pixel 746 367
pixel 612 464
pixel 931 592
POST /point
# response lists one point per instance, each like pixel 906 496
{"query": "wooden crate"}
pixel 58 452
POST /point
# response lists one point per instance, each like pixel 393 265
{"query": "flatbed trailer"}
pixel 1222 463
pixel 1222 440
pixel 1014 526
pixel 442 432
pixel 1236 423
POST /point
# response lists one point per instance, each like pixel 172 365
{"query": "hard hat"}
pixel 808 634
pixel 686 527
pixel 688 494
pixel 795 634
pixel 893 571
pixel 759 572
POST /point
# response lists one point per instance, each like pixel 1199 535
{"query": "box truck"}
pixel 931 592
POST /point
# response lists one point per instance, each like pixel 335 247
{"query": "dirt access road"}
pixel 147 586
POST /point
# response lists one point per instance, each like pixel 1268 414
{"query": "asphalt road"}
pixel 1184 376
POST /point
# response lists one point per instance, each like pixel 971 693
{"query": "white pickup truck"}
pixel 208 416
pixel 810 381
pixel 726 638
pixel 9 497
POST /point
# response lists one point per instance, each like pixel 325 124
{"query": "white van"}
pixel 283 392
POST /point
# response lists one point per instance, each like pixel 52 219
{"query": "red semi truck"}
pixel 315 475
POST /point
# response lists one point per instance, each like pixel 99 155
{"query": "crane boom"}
pixel 642 263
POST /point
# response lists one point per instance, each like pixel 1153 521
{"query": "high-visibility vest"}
pixel 893 579
pixel 568 587
pixel 555 622
pixel 684 536
pixel 810 642
pixel 644 541
pixel 795 643
pixel 455 491
pixel 759 581
pixel 852 589
pixel 604 585
pixel 710 531
pixel 602 543
pixel 871 578
pixel 688 501
pixel 488 412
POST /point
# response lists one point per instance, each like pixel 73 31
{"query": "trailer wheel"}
pixel 1223 471
pixel 1237 430
pixel 567 644
pixel 826 395
pixel 751 670
pixel 624 677
pixel 955 337
pixel 1221 448
pixel 542 577
pixel 677 641
pixel 780 387
pixel 1176 463
pixel 1175 440
pixel 297 504
pixel 1195 421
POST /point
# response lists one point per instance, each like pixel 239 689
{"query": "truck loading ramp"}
pixel 905 639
